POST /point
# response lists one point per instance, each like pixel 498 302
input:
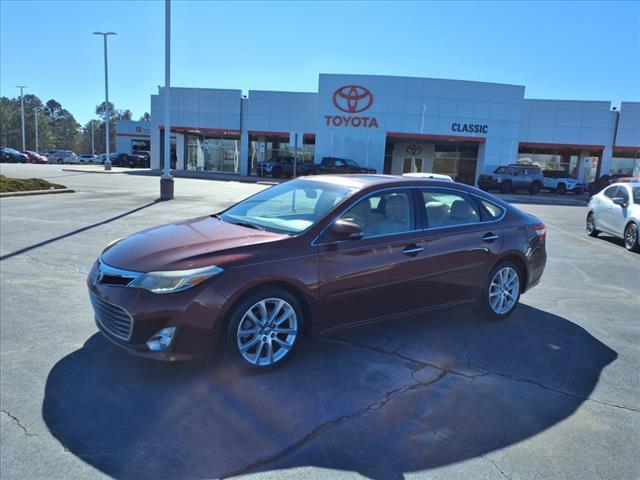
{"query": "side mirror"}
pixel 620 201
pixel 346 230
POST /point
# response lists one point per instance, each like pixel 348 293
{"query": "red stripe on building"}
pixel 140 135
pixel 625 149
pixel 178 128
pixel 561 145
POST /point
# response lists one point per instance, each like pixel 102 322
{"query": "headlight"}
pixel 174 280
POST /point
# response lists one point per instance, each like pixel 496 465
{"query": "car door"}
pixel 604 216
pixel 378 275
pixel 619 213
pixel 463 240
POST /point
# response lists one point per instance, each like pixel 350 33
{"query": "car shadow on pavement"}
pixel 76 231
pixel 396 397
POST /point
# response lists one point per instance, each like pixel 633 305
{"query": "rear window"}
pixel 494 211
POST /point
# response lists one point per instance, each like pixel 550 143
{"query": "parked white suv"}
pixel 61 156
pixel 559 181
pixel 616 211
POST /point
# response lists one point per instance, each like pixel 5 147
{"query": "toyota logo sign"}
pixel 414 149
pixel 352 98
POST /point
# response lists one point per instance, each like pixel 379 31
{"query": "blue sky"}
pixel 584 51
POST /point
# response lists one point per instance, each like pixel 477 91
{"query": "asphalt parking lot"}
pixel 553 392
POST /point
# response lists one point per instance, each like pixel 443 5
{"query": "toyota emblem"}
pixel 352 98
pixel 414 149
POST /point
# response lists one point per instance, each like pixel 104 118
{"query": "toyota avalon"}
pixel 313 255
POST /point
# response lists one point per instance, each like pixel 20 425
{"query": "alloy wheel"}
pixel 591 226
pixel 631 236
pixel 267 332
pixel 503 290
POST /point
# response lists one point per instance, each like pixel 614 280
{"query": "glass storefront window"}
pixel 278 147
pixel 456 160
pixel 212 153
pixel 625 162
pixel 565 159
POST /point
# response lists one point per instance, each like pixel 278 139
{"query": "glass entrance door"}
pixel 412 164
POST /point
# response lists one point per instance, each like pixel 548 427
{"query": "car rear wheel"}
pixel 60 162
pixel 631 237
pixel 591 225
pixel 578 191
pixel 501 292
pixel 562 189
pixel 264 329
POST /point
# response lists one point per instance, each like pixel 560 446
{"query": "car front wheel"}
pixel 631 237
pixel 264 329
pixel 534 188
pixel 591 225
pixel 501 292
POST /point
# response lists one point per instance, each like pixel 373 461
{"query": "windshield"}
pixel 636 195
pixel 288 208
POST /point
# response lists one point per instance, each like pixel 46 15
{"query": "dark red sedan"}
pixel 313 255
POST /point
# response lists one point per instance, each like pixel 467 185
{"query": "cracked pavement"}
pixel 553 392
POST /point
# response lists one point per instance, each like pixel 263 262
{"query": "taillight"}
pixel 541 230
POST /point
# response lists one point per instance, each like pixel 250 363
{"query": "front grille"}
pixel 115 320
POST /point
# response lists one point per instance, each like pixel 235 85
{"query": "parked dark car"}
pixel 283 167
pixel 9 155
pixel 313 254
pixel 127 160
pixel 333 165
pixel 604 181
pixel 511 178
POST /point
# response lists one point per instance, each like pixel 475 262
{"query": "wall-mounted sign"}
pixel 469 128
pixel 352 99
pixel 414 149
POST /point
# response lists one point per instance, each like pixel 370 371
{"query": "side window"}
pixel 384 213
pixel 339 163
pixel 610 192
pixel 494 211
pixel 622 192
pixel 449 208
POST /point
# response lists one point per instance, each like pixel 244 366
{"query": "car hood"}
pixel 193 243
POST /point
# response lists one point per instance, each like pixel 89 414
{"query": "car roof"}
pixel 362 181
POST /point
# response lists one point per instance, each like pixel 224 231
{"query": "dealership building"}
pixel 395 125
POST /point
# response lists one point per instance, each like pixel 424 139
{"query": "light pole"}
pixel 93 145
pixel 166 180
pixel 24 140
pixel 35 111
pixel 107 161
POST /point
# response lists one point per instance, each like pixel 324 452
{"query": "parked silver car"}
pixel 616 211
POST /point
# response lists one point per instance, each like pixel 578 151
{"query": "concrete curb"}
pixel 27 193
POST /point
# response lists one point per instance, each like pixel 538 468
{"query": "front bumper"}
pixel 194 313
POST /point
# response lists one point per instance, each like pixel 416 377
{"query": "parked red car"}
pixel 35 157
pixel 313 255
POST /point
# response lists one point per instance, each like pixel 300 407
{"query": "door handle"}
pixel 490 237
pixel 412 250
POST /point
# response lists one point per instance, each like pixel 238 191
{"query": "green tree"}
pixel 146 117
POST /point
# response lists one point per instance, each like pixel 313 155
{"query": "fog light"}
pixel 161 339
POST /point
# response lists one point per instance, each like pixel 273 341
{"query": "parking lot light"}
pixel 107 161
pixel 22 87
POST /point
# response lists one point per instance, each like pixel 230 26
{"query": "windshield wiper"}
pixel 248 225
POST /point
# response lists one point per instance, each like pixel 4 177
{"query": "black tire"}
pixel 60 162
pixel 506 187
pixel 562 189
pixel 534 188
pixel 232 349
pixel 275 173
pixel 591 225
pixel 631 241
pixel 578 191
pixel 483 306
